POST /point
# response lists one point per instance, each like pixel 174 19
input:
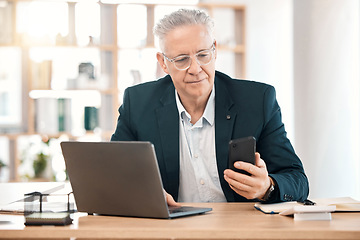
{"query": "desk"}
pixel 226 221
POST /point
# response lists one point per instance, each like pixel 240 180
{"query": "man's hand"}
pixel 250 187
pixel 170 200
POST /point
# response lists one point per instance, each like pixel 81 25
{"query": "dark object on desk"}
pixel 48 218
pixel 308 202
pixel 118 178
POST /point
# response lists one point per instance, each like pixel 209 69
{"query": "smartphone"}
pixel 242 149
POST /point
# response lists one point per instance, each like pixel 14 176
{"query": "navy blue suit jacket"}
pixel 242 108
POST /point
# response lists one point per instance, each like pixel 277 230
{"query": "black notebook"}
pixel 48 218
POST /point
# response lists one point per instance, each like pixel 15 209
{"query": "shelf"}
pixel 235 49
pixel 28 46
pixel 64 73
pixel 69 93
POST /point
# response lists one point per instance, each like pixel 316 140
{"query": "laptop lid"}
pixel 118 178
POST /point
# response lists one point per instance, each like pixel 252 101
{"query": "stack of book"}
pixel 53 115
pixel 318 209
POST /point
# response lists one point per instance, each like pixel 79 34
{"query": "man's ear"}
pixel 161 60
pixel 215 44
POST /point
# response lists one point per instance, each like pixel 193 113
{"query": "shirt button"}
pixel 196 156
pixel 202 182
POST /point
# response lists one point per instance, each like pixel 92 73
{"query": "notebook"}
pixel 119 178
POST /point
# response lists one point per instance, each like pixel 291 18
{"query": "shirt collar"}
pixel 209 113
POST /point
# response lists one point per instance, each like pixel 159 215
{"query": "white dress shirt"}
pixel 199 178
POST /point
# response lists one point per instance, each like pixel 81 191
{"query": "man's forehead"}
pixel 185 36
pixel 183 31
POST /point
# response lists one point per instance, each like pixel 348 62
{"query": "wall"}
pixel 309 50
pixel 326 83
pixel 270 51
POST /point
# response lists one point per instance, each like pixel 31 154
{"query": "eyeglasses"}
pixel 183 62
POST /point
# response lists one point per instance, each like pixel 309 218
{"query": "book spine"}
pixel 312 216
pixel 91 120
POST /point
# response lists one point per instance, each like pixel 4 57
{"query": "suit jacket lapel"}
pixel 168 120
pixel 224 124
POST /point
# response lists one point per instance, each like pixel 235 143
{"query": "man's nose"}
pixel 195 67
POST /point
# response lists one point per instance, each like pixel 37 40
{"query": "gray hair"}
pixel 182 17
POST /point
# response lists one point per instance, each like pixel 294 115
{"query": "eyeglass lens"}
pixel 202 58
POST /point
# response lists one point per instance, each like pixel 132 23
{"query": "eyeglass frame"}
pixel 212 48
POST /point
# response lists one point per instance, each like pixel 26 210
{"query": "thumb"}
pixel 170 200
pixel 258 161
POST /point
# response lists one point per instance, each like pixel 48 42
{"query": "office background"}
pixel 309 50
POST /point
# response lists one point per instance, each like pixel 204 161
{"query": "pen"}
pixel 307 202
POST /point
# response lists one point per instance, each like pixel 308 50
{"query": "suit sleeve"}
pixel 123 131
pixel 275 149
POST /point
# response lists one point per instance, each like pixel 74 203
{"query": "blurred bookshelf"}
pixel 64 66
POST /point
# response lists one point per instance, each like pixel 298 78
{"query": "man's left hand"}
pixel 253 186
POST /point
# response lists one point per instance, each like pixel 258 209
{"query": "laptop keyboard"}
pixel 179 209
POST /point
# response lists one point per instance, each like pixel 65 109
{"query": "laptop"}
pixel 119 179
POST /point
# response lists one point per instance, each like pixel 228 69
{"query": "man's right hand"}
pixel 170 200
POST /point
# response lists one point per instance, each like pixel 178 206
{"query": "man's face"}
pixel 196 82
